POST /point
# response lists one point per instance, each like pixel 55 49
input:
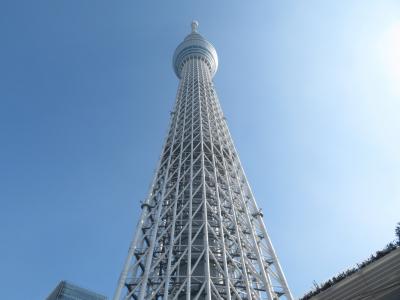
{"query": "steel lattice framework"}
pixel 200 234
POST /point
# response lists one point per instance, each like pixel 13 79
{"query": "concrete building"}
pixel 379 280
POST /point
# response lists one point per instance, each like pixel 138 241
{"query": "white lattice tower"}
pixel 200 233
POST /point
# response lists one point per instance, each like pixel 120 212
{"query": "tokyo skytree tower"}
pixel 200 234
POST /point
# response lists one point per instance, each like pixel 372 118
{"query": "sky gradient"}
pixel 310 90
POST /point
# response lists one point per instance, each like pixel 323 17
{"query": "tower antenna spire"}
pixel 195 25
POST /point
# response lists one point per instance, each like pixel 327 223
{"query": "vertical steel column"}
pixel 206 242
pixel 189 255
pixel 259 218
pixel 226 279
pixel 149 257
pixel 143 215
pixel 172 237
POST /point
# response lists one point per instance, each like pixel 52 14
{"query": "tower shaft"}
pixel 200 234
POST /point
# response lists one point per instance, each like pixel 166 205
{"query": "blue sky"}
pixel 310 90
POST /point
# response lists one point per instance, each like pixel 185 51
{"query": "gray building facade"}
pixel 379 280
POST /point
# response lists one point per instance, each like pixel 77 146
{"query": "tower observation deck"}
pixel 201 234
